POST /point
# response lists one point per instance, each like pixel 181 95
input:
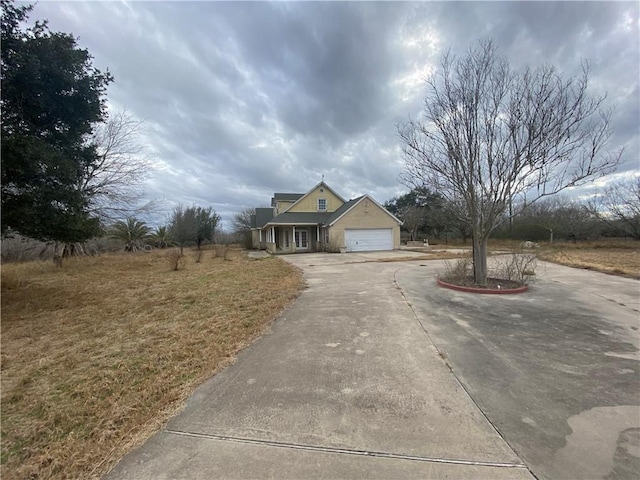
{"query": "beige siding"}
pixel 365 214
pixel 282 205
pixel 310 202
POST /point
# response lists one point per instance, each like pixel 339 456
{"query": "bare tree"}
pixel 241 223
pixel 619 206
pixel 493 137
pixel 413 217
pixel 241 226
pixel 114 183
pixel 564 216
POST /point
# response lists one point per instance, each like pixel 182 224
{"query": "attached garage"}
pixel 368 239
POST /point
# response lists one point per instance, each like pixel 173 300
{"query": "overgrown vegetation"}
pixel 96 356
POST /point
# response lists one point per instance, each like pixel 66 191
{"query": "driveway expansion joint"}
pixel 346 451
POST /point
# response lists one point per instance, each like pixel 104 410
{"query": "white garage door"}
pixel 369 239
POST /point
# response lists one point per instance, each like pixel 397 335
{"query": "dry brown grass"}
pixel 98 354
pixel 612 255
pixel 617 261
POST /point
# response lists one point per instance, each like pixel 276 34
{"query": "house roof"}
pixel 342 210
pixel 300 218
pixel 352 203
pixel 286 197
pixel 263 215
pixel 309 192
pixel 322 218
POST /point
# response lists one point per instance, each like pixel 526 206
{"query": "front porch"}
pixel 298 238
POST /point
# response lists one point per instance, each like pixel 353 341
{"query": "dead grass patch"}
pixel 617 261
pixel 99 354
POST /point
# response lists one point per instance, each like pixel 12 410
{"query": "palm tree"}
pixel 132 232
pixel 161 237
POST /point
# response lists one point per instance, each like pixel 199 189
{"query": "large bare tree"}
pixel 619 206
pixel 500 139
pixel 114 183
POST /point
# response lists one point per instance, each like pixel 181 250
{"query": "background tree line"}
pixel 613 211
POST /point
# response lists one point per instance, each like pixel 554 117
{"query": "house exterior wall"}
pixel 255 238
pixel 363 216
pixel 310 202
pixel 281 206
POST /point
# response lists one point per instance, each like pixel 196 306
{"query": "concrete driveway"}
pixel 375 372
pixel 556 369
pixel 346 385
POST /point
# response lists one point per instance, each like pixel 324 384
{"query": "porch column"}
pixel 273 234
pixel 293 239
pixel 260 235
pixel 318 233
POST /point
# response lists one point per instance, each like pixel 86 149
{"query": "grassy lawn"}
pixel 99 354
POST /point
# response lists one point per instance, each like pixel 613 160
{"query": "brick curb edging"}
pixel 495 291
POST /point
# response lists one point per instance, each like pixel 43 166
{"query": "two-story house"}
pixel 321 220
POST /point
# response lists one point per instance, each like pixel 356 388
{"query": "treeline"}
pixel 612 212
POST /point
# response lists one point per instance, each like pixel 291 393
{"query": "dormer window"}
pixel 322 204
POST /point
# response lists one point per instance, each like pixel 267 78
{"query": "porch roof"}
pixel 300 218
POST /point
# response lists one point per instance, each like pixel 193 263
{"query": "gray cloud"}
pixel 244 99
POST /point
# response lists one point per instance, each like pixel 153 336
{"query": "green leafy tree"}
pixel 207 220
pixel 421 210
pixel 133 233
pixel 52 97
pixel 193 225
pixel 183 226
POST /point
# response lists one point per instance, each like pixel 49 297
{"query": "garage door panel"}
pixel 368 239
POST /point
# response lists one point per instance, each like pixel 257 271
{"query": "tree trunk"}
pixel 66 250
pixel 480 260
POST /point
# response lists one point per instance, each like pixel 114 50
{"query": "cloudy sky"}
pixel 241 100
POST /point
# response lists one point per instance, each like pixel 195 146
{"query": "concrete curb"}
pixel 493 291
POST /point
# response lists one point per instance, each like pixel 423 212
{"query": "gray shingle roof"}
pixel 288 197
pixel 343 208
pixel 289 218
pixel 322 218
pixel 263 215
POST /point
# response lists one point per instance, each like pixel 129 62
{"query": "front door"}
pixel 302 239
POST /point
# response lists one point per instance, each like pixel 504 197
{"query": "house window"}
pixel 322 204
